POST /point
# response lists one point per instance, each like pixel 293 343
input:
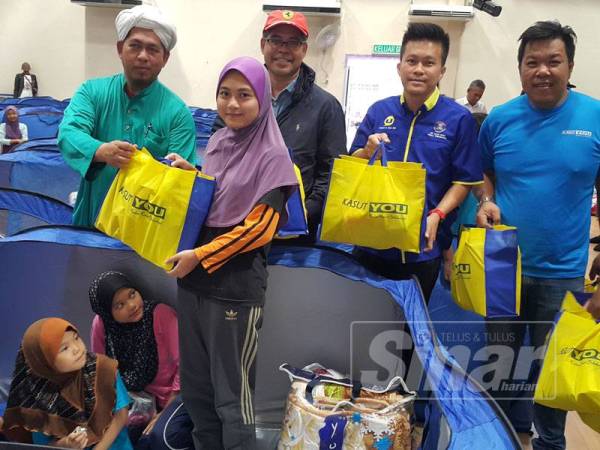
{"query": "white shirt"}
pixel 5 141
pixel 478 108
pixel 27 87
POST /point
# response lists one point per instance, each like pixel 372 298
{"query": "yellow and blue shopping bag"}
pixel 155 209
pixel 375 204
pixel 296 224
pixel 486 271
pixel 590 286
pixel 570 376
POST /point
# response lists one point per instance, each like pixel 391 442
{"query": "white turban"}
pixel 145 16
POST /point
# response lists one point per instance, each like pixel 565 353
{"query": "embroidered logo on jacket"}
pixel 440 127
pixel 388 123
pixel 438 130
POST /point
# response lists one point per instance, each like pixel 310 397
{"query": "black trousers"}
pixel 218 342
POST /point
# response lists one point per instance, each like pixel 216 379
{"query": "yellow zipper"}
pixel 406 149
pixel 410 133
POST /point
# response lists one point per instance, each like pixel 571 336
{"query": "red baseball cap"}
pixel 286 17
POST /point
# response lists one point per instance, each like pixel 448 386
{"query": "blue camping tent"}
pixel 38 166
pixel 42 121
pixel 203 120
pixel 22 210
pixel 34 101
pixel 47 145
pixel 314 297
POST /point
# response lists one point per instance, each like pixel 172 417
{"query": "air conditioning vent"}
pixel 108 3
pixel 442 11
pixel 307 7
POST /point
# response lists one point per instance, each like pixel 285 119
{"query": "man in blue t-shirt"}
pixel 541 154
pixel 423 126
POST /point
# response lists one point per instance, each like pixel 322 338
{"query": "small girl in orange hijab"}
pixel 63 396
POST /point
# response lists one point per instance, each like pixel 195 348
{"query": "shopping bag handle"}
pixel 356 387
pixel 165 161
pixel 384 159
pixel 169 163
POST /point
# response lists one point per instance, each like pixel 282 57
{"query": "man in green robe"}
pixel 109 117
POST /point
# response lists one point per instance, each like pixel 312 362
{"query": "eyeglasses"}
pixel 292 44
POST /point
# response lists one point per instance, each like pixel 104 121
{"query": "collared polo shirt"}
pixel 442 135
pixel 284 99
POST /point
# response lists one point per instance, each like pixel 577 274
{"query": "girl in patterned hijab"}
pixel 127 320
pixel 140 334
pixel 62 395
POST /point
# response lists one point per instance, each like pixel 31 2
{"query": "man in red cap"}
pixel 310 119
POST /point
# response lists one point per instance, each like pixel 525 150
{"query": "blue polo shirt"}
pixel 442 136
pixel 545 163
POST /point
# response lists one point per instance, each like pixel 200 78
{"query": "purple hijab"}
pixel 249 162
pixel 12 130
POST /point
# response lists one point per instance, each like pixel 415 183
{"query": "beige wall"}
pixel 66 43
pixel 489 45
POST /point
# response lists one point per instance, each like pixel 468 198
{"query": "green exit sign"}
pixel 386 49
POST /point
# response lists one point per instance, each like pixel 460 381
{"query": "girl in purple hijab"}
pixel 12 132
pixel 222 282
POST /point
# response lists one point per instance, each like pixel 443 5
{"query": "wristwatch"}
pixel 484 199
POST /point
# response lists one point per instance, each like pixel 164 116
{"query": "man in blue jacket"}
pixel 423 126
pixel 311 120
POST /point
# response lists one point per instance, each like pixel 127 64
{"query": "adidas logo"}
pixel 231 315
